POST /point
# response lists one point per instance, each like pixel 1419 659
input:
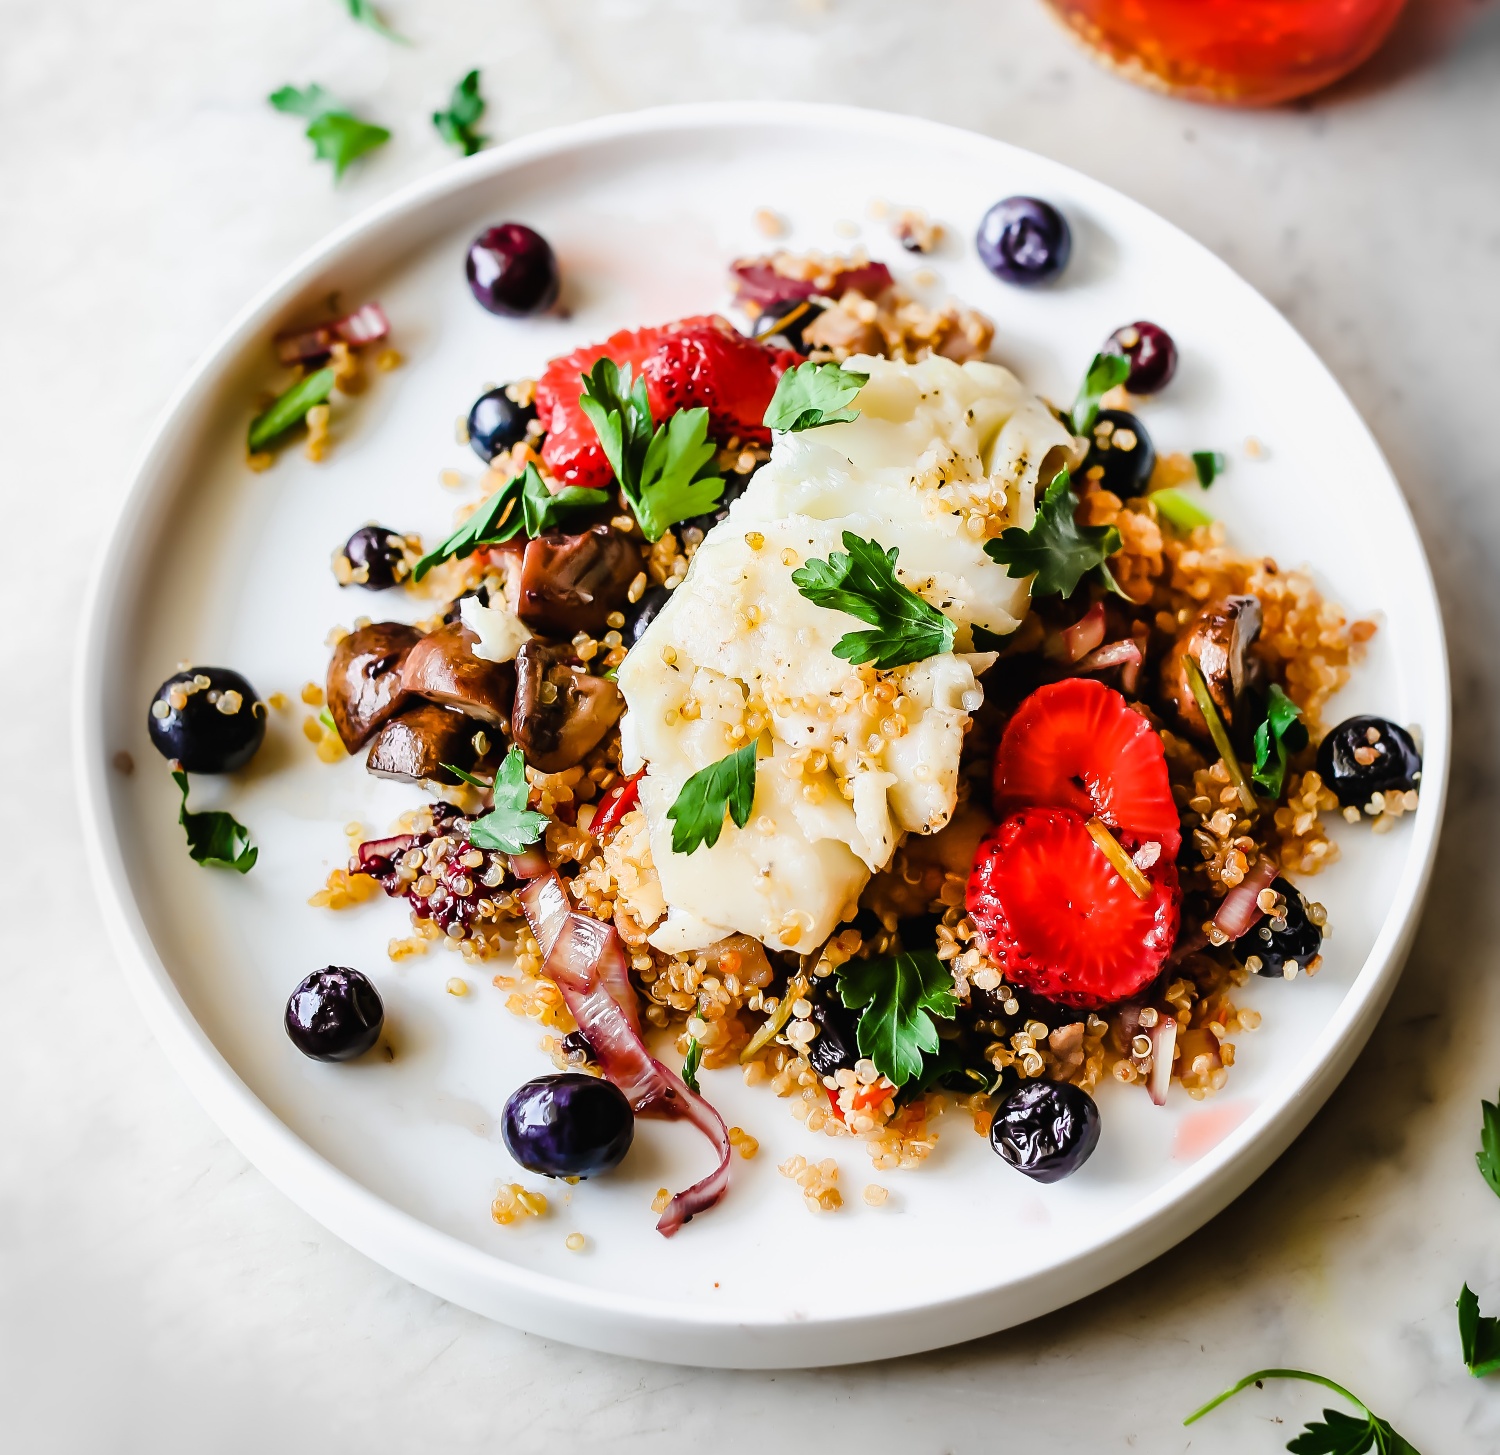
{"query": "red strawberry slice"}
pixel 1058 919
pixel 1077 744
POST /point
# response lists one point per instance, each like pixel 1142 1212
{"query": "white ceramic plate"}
pixel 215 564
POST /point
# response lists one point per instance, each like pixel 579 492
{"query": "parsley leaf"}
pixel 215 838
pixel 542 509
pixel 495 522
pixel 811 395
pixel 1337 1433
pixel 864 584
pixel 509 827
pixel 1480 1337
pixel 291 408
pixel 1209 464
pixel 697 813
pixel 1056 549
pixel 1488 1156
pixel 897 999
pixel 465 107
pixel 367 14
pixel 1107 371
pixel 690 1064
pixel 337 135
pixel 667 470
pixel 1283 728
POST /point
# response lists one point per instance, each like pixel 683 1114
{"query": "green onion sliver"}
pixel 1218 732
pixel 1179 511
pixel 796 986
pixel 291 408
pixel 1123 864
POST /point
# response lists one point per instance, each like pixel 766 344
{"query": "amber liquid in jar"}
pixel 1237 52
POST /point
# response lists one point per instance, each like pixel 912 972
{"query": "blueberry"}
pixel 512 270
pixel 834 1048
pixel 209 719
pixel 575 1042
pixel 1121 456
pixel 1024 240
pixel 1367 755
pixel 376 557
pixel 1297 941
pixel 1046 1129
pixel 646 610
pixel 1152 355
pixel 783 324
pixel 334 1015
pixel 496 422
pixel 568 1125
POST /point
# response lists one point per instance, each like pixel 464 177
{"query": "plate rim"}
pixel 603 1318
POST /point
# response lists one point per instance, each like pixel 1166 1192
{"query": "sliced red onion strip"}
pixel 1085 634
pixel 757 281
pixel 1239 910
pixel 530 865
pixel 1163 1037
pixel 1112 654
pixel 365 325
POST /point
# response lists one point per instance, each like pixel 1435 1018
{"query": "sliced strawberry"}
pixel 714 366
pixel 1077 744
pixel 1058 919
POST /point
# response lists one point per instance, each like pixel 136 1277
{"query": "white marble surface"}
pixel 155 1292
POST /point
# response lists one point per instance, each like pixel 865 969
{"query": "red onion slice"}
pixel 1126 653
pixel 532 864
pixel 757 281
pixel 1163 1036
pixel 1085 634
pixel 1239 910
pixel 365 325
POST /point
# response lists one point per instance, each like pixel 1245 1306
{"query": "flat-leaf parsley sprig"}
pixel 665 470
pixel 1337 1433
pixel 1105 373
pixel 337 135
pixel 366 14
pixel 1478 1335
pixel 1056 549
pixel 215 838
pixel 863 584
pixel 897 999
pixel 1283 732
pixel 456 124
pixel 510 827
pixel 812 395
pixel 1488 1155
pixel 697 813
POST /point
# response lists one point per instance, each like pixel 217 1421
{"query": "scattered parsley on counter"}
pixel 697 814
pixel 1209 464
pixel 337 135
pixel 215 838
pixel 666 470
pixel 465 107
pixel 1282 732
pixel 897 999
pixel 691 1063
pixel 1337 1433
pixel 1105 373
pixel 812 395
pixel 864 584
pixel 291 408
pixel 368 15
pixel 1479 1336
pixel 1488 1155
pixel 1056 549
pixel 510 826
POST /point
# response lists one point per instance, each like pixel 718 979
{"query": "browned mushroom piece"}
pixel 416 744
pixel 561 711
pixel 364 679
pixel 1219 640
pixel 442 667
pixel 570 584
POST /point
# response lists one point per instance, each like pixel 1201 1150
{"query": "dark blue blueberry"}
pixel 1393 762
pixel 496 422
pixel 376 557
pixel 1046 1129
pixel 1298 940
pixel 835 1047
pixel 783 324
pixel 1024 240
pixel 209 719
pixel 1121 456
pixel 577 1042
pixel 1152 355
pixel 568 1125
pixel 640 615
pixel 512 270
pixel 334 1015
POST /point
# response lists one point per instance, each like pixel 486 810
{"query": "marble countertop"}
pixel 155 1292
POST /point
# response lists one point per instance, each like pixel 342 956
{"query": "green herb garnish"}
pixel 690 1064
pixel 665 470
pixel 812 395
pixel 468 778
pixel 1107 371
pixel 1179 510
pixel 1479 1336
pixel 215 838
pixel 509 827
pixel 1198 686
pixel 291 408
pixel 544 509
pixel 465 107
pixel 697 813
pixel 1338 1433
pixel 1283 732
pixel 337 135
pixel 864 584
pixel 367 14
pixel 1488 1155
pixel 1209 464
pixel 492 524
pixel 1056 549
pixel 897 999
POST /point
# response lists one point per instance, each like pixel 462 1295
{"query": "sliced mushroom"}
pixel 442 667
pixel 561 711
pixel 1219 640
pixel 570 584
pixel 364 679
pixel 415 745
